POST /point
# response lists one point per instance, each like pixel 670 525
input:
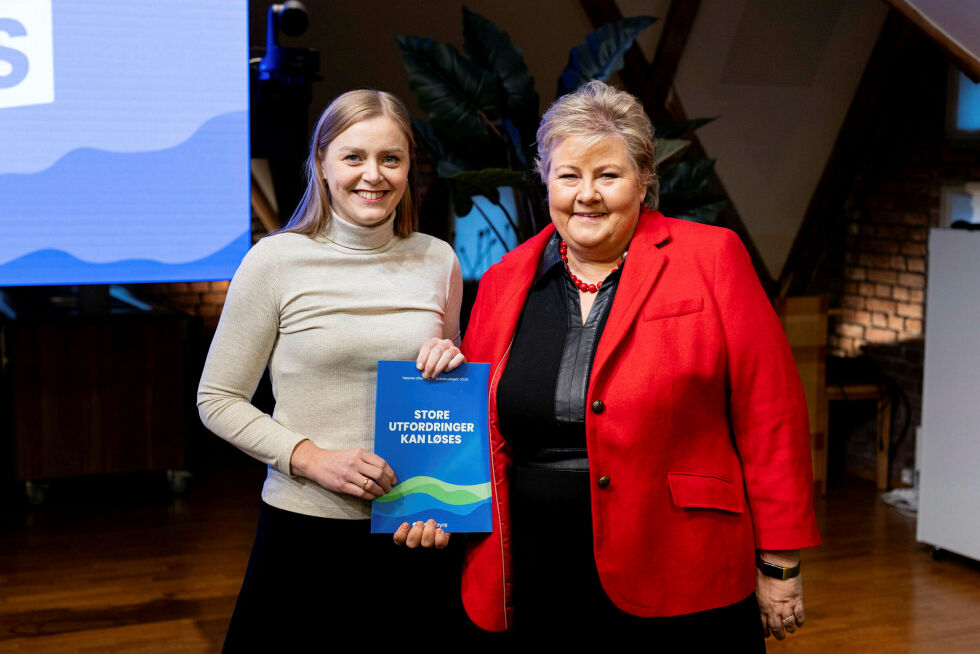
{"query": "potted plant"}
pixel 483 112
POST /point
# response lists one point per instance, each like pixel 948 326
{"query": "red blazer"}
pixel 697 430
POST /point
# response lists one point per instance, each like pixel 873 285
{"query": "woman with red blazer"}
pixel 649 435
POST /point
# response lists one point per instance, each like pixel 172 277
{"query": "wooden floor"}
pixel 146 573
pixel 149 573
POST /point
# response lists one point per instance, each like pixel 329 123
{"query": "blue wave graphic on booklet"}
pixel 422 508
pixel 433 433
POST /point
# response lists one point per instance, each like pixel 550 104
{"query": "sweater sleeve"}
pixel 239 354
pixel 454 300
pixel 767 406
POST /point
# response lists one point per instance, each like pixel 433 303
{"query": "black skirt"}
pixel 313 580
pixel 557 592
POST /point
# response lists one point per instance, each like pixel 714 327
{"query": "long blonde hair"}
pixel 313 211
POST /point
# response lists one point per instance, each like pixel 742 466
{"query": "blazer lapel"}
pixel 646 261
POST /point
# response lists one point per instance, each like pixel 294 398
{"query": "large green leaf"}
pixel 489 178
pixel 434 145
pixel 686 178
pixel 681 128
pixel 446 169
pixel 667 149
pixel 601 53
pixel 469 183
pixel 706 213
pixel 462 198
pixel 490 48
pixel 459 97
pixel 524 149
pixel 684 193
pixel 426 137
pixel 462 201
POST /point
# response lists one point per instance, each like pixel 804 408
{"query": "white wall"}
pixel 949 452
pixel 781 76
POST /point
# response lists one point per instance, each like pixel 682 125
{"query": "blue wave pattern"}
pixel 51 267
pixel 130 76
pixel 386 518
pixel 104 217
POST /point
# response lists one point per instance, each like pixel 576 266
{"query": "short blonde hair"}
pixel 313 212
pixel 595 111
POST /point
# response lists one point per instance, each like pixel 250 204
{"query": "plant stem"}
pixel 534 201
pixel 492 226
pixel 507 215
pixel 490 124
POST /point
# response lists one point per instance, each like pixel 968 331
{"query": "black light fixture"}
pixel 287 65
pixel 281 92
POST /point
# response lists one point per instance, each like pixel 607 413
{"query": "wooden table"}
pixel 855 392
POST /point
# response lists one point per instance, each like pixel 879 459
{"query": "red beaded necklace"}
pixel 585 287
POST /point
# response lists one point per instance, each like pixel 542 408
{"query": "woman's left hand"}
pixel 780 600
pixel 438 355
pixel 426 534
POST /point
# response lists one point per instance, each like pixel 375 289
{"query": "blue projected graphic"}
pixel 124 146
pixel 968 106
pixel 478 245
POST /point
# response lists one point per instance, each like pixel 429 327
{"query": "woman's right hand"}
pixel 356 471
pixel 426 534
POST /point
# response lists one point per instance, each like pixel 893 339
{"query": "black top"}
pixel 541 395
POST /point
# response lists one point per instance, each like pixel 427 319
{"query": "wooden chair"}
pixel 804 319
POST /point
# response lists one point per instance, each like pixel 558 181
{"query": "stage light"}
pixel 287 65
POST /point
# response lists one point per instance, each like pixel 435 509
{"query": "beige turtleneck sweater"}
pixel 321 312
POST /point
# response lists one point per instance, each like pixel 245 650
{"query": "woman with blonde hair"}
pixel 346 283
pixel 649 435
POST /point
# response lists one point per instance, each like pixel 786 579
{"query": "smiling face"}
pixel 594 195
pixel 366 170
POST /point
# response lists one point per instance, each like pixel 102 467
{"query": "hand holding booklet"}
pixel 433 433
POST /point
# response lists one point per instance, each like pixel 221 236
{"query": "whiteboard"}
pixel 949 467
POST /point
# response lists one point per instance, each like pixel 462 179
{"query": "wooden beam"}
pixel 650 82
pixel 965 60
pixel 845 160
pixel 263 208
pixel 673 39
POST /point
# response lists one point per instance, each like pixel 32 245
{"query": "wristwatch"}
pixel 776 571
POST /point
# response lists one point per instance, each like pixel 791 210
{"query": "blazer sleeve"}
pixel 478 327
pixel 767 406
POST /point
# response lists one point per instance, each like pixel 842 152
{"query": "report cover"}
pixel 433 433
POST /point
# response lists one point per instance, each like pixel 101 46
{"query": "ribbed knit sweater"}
pixel 321 312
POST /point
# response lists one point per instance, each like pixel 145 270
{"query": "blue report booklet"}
pixel 433 433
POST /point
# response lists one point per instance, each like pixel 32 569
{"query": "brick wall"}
pixel 880 308
pixel 875 271
pixel 201 299
pixel 887 224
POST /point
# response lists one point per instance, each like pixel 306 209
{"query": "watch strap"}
pixel 777 571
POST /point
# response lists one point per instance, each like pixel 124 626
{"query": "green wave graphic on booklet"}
pixel 437 488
